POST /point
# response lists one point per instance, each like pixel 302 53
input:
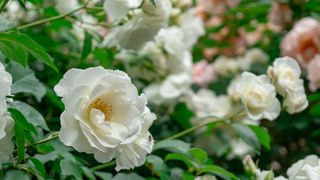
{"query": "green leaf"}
pixel 262 135
pixel 88 173
pixel 24 81
pixel 182 115
pixel 20 140
pixel 103 175
pixel 69 168
pixel 38 166
pixel 87 46
pixel 16 174
pixel 197 154
pixel 177 146
pixel 179 157
pixel 131 176
pixel 158 166
pixel 23 41
pixel 14 52
pixel 31 114
pixel 21 120
pixel 218 171
pixel 248 136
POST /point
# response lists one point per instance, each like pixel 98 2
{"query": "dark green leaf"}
pixel 69 168
pixel 218 171
pixel 29 45
pixel 248 136
pixel 20 139
pixel 21 120
pixel 38 166
pixel 177 146
pixel 262 135
pixel 158 166
pixel 31 114
pixel 87 46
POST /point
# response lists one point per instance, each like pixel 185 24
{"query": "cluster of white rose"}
pixel 307 168
pixel 252 98
pixel 6 122
pixel 226 66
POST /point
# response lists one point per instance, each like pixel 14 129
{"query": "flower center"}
pixel 104 107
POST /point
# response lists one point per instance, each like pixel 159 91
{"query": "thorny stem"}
pixel 52 136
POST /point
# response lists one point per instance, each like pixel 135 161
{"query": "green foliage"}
pixel 17 46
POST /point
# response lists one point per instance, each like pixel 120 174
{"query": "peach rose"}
pixel 314 73
pixel 203 73
pixel 303 41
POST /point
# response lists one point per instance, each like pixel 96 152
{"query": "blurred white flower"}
pixel 239 148
pixel 205 103
pixel 7 123
pixel 225 66
pixel 285 74
pixel 14 14
pixel 256 55
pixel 105 116
pixel 307 168
pixel 263 175
pixel 119 8
pixel 170 89
pixel 66 6
pixel 142 27
pixel 258 96
pixel 192 27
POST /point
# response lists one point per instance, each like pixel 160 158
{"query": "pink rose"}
pixel 303 41
pixel 314 73
pixel 203 73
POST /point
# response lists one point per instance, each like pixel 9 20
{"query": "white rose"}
pixel 285 74
pixel 192 27
pixel 141 28
pixel 224 66
pixel 256 55
pixel 6 127
pixel 173 87
pixel 305 169
pixel 105 116
pixel 119 8
pixel 65 6
pixel 206 103
pixel 258 96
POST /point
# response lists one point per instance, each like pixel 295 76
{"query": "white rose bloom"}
pixel 142 27
pixel 206 103
pixel 305 169
pixel 256 55
pixel 224 66
pixel 170 89
pixel 192 27
pixel 258 96
pixel 66 6
pixel 6 128
pixel 119 8
pixel 105 116
pixel 285 74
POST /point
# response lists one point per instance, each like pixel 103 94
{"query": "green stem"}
pixel 54 18
pixel 207 121
pixel 3 5
pixel 211 120
pixel 52 136
pixel 103 166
